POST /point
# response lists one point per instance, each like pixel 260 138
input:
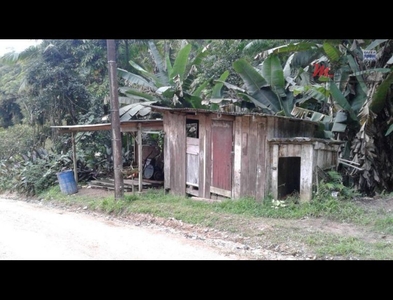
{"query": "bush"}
pixel 16 139
pixel 333 188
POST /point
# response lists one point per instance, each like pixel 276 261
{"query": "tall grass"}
pixel 162 204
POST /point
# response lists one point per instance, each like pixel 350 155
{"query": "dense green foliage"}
pixel 16 140
pixel 10 111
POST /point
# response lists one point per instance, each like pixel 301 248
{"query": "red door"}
pixel 222 137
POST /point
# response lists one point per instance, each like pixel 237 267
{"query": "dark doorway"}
pixel 288 176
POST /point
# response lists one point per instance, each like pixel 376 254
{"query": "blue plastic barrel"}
pixel 67 182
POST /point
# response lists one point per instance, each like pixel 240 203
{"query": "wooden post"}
pixel 140 167
pixel 74 157
pixel 115 121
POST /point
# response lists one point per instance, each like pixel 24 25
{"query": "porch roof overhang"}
pixel 125 126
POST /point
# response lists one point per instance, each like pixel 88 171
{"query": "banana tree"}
pixel 357 90
pixel 333 84
pixel 174 83
pixel 358 93
pixel 264 88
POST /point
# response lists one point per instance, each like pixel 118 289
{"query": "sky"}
pixel 16 45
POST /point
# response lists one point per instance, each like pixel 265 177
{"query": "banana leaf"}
pixel 269 98
pixel 194 101
pixel 162 72
pixel 341 100
pixel 252 79
pixel 369 71
pixel 380 96
pixel 136 94
pixel 135 79
pixel 202 53
pixel 288 103
pixel 389 131
pixel 198 91
pixel 129 111
pixel 355 70
pixel 390 61
pixel 231 86
pixel 189 78
pixel 131 100
pixel 166 91
pixel 145 73
pixel 304 58
pixel 257 103
pixel 318 117
pixel 318 92
pixel 331 52
pixel 180 64
pixel 216 91
pixel 292 47
pixel 273 73
pixel 219 100
pixel 341 76
pixel 339 124
pixel 375 44
pixel 287 68
pixel 254 82
pixel 169 67
pixel 144 111
pixel 303 113
pixel 358 101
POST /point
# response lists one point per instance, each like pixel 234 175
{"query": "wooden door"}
pixel 222 147
pixel 192 162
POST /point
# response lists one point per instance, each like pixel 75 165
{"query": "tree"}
pixel 10 111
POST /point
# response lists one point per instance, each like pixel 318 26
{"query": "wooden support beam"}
pixel 74 157
pixel 140 167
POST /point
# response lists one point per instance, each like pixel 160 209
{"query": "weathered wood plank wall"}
pixel 205 159
pixel 175 152
pixel 262 158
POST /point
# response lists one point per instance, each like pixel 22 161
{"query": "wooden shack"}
pixel 214 155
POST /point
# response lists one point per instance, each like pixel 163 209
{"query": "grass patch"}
pixel 55 194
pixel 384 224
pixel 161 204
pixel 346 247
pixel 326 245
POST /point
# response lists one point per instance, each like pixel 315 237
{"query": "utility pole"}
pixel 115 121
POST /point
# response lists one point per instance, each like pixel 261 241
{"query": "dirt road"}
pixel 30 231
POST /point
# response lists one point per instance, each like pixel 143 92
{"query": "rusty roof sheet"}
pixel 209 111
pixel 131 125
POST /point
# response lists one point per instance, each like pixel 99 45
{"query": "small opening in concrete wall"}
pixel 288 176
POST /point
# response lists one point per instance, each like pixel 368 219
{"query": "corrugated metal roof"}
pixel 131 125
pixel 209 111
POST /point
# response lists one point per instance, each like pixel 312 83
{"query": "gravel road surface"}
pixel 30 231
